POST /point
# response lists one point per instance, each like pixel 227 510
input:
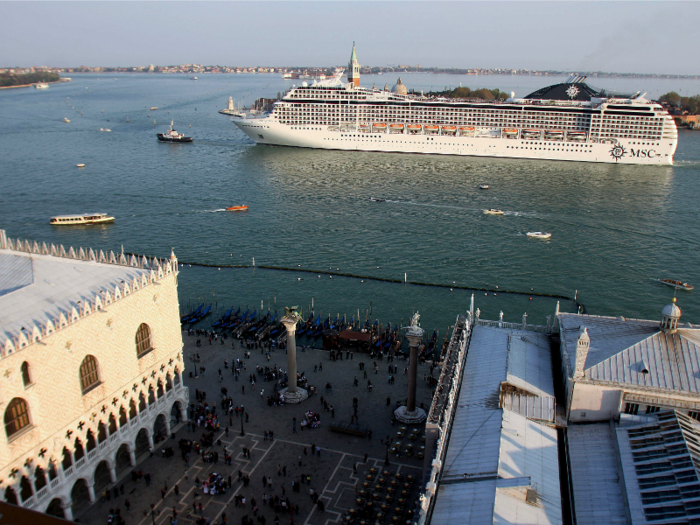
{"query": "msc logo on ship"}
pixel 644 153
pixel 618 152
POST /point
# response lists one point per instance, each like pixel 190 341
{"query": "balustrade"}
pixel 80 463
pixel 55 481
pixel 91 455
pixel 42 492
pixel 66 472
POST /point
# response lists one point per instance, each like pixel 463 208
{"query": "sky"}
pixel 625 37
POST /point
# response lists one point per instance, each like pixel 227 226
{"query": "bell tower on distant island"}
pixel 354 68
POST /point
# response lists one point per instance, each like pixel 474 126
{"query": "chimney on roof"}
pixel 582 346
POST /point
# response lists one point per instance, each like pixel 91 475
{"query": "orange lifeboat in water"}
pixel 237 208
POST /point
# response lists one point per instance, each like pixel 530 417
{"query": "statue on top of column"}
pixel 415 319
pixel 292 314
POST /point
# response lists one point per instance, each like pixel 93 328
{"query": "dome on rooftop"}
pixel 670 316
pixel 671 310
pixel 399 88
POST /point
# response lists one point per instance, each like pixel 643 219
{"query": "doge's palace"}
pixel 91 369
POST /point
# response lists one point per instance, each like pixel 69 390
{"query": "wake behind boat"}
pixel 173 136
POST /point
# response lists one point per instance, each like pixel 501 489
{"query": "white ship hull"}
pixel 270 131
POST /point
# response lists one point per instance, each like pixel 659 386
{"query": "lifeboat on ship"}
pixel 379 125
pixel 431 129
pixel 530 134
pixel 510 132
pixel 364 127
pixel 576 136
pixel 396 128
pixel 553 134
pixel 414 128
pixel 466 131
pixel 450 130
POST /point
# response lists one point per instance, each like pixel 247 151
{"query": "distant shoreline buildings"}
pixel 319 71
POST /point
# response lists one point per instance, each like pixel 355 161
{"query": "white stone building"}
pixel 613 365
pixel 90 366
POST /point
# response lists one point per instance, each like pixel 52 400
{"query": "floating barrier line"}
pixel 370 278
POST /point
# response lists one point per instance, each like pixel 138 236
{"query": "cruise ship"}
pixel 568 121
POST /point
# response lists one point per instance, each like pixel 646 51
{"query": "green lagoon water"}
pixel 614 228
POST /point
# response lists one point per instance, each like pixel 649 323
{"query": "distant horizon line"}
pixel 383 69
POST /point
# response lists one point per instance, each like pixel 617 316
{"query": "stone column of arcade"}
pixel 409 414
pixel 292 393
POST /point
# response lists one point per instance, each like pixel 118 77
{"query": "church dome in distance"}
pixel 399 88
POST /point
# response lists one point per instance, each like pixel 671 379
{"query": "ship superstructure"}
pixel 567 121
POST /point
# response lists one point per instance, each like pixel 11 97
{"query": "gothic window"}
pixel 143 340
pixel 16 416
pixel 89 377
pixel 26 378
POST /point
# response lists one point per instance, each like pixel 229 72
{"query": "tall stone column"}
pixel 410 414
pixel 132 457
pixel 292 393
pixel 291 326
pixel 414 341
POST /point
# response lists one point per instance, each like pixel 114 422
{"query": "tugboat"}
pixel 173 136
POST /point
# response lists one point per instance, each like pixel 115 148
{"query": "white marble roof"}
pixel 528 450
pixel 636 352
pixel 495 455
pixel 595 478
pixel 36 288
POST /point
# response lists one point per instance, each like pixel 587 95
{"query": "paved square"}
pixel 339 476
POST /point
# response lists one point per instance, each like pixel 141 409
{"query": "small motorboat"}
pixel 66 120
pixel 237 208
pixel 80 165
pixel 154 108
pixel 676 284
pixel 483 186
pixel 494 211
pixel 374 199
pixel 539 235
pixel 105 129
